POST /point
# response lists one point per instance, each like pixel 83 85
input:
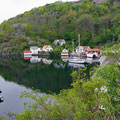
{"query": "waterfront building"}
pixel 47 48
pixel 64 52
pixel 81 49
pixel 59 42
pixel 35 49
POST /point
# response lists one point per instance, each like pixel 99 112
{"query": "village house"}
pixel 27 53
pixel 59 42
pixel 82 49
pixel 47 48
pixel 56 42
pixel 35 49
pixel 64 52
pixel 62 42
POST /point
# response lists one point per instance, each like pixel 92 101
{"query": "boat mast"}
pixel 79 42
pixel 79 53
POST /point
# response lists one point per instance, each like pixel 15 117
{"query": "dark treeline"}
pixel 98 23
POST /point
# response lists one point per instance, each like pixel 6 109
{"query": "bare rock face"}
pixel 76 2
pixel 31 42
pixel 117 2
pixel 98 2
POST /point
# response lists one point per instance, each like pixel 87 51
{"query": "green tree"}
pixel 28 29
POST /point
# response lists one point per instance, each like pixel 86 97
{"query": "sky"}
pixel 11 8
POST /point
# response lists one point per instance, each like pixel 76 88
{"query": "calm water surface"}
pixel 46 74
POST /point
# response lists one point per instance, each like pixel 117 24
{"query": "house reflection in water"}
pixel 35 59
pixel 1 97
pixel 46 61
pixel 59 65
pixel 64 58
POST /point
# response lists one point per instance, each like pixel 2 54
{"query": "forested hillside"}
pixel 97 21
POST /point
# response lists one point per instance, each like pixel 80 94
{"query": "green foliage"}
pixel 7 28
pixel 83 101
pixel 97 24
pixel 56 51
pixel 28 30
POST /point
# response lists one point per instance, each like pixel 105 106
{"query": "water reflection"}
pixel 64 58
pixel 11 101
pixel 35 59
pixel 64 63
pixel 46 74
pixel 1 99
pixel 39 73
pixel 75 65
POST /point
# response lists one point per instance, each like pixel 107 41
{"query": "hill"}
pixel 97 21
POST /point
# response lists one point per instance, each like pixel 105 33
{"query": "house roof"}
pixel 62 40
pixel 27 52
pixel 56 41
pixel 64 50
pixel 33 47
pixel 84 47
pixel 92 50
pixel 45 46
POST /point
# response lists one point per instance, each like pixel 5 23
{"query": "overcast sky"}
pixel 11 8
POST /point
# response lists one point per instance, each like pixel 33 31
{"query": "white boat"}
pixel 77 60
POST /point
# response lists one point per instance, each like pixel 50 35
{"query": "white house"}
pixel 82 49
pixel 62 42
pixel 59 42
pixel 27 53
pixel 92 53
pixel 56 42
pixel 64 52
pixel 47 48
pixel 35 49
